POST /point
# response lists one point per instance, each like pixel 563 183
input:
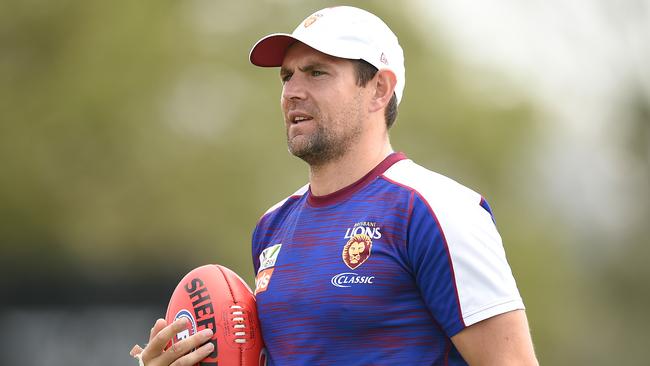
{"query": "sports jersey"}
pixel 382 272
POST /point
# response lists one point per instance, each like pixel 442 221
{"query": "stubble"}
pixel 333 136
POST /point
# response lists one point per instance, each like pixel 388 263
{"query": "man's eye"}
pixel 285 78
pixel 317 73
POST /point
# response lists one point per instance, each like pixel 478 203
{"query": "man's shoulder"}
pixel 287 200
pixel 432 186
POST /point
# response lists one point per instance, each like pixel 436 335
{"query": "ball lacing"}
pixel 240 326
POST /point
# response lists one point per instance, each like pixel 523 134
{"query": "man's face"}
pixel 324 109
pixel 355 251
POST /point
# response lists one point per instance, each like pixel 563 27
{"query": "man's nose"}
pixel 294 88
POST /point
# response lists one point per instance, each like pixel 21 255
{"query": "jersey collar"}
pixel 346 192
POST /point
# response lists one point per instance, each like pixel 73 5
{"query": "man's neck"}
pixel 332 176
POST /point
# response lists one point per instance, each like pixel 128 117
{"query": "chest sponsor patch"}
pixel 267 263
pixel 269 256
pixel 349 279
pixel 262 280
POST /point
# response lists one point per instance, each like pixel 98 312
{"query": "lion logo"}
pixel 357 250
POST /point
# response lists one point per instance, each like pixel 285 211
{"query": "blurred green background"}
pixel 137 142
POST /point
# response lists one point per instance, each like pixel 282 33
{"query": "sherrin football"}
pixel 213 296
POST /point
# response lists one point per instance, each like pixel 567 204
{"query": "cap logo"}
pixel 383 59
pixel 357 250
pixel 309 21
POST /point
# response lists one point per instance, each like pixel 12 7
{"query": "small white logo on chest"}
pixel 269 256
pixel 348 279
pixel 364 228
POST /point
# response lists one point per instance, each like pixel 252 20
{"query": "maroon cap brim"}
pixel 270 50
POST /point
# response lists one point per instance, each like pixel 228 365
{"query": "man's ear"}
pixel 384 83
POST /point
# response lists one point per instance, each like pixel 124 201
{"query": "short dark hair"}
pixel 365 73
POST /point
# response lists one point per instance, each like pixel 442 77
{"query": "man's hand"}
pixel 154 354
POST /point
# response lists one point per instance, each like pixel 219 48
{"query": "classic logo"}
pixel 347 279
pixel 357 250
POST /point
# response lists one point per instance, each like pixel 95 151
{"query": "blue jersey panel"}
pixel 338 283
pixel 433 268
pixel 382 272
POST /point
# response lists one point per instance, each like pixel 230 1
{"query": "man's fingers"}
pixel 160 339
pixel 157 327
pixel 195 357
pixel 179 353
pixel 178 350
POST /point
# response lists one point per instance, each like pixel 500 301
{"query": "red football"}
pixel 212 296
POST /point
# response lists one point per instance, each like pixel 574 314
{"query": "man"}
pixel 377 261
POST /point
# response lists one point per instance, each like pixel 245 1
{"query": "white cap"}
pixel 340 31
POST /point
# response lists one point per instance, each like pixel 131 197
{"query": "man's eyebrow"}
pixel 312 66
pixel 284 71
pixel 309 67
